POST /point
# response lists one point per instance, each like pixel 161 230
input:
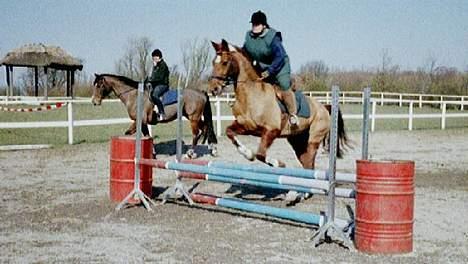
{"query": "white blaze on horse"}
pixel 258 113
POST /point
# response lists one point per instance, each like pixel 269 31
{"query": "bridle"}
pixel 119 95
pixel 227 80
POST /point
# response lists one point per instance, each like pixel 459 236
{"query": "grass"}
pixel 164 132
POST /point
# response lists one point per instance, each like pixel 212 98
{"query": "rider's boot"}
pixel 289 100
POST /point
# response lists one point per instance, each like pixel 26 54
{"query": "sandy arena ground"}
pixel 55 207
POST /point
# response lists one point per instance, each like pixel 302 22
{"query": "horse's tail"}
pixel 208 130
pixel 342 140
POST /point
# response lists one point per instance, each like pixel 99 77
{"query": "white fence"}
pixel 346 97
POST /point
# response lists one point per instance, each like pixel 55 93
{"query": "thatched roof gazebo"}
pixel 40 55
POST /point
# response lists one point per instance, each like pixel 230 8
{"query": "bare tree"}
pixel 196 56
pixel 136 61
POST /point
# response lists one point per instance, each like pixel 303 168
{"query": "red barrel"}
pixel 384 206
pixel 122 167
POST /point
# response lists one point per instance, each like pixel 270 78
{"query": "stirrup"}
pixel 293 120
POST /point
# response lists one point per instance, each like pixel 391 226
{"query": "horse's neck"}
pixel 247 78
pixel 121 90
pixel 246 71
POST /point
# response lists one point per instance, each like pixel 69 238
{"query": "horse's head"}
pixel 101 89
pixel 225 68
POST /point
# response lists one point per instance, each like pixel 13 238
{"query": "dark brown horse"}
pixel 196 104
pixel 257 112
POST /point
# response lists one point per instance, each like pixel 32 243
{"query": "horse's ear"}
pixel 215 45
pixel 224 45
pixel 96 75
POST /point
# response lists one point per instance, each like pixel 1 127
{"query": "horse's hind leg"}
pixel 302 149
pixel 305 146
pixel 231 132
pixel 267 139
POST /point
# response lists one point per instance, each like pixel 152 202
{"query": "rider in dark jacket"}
pixel 159 80
pixel 264 45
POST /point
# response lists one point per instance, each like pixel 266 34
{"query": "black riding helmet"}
pixel 156 53
pixel 259 18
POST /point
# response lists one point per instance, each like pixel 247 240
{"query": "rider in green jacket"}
pixel 264 45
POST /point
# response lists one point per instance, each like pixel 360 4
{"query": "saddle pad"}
pixel 170 97
pixel 303 108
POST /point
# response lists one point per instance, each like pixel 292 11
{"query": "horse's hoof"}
pixel 274 162
pixel 293 197
pixel 191 154
pixel 247 153
pixel 213 150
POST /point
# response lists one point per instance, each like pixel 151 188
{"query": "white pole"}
pixel 381 98
pixel 441 101
pixel 374 107
pixel 462 105
pixel 410 118
pixel 401 100
pixel 218 117
pixel 70 123
pixel 444 111
pixel 420 101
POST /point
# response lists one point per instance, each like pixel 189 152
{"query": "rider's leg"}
pixel 157 92
pixel 288 97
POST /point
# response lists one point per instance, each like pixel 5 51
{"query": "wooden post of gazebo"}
pixel 46 84
pixel 36 81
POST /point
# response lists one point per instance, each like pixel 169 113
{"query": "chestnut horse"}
pixel 196 104
pixel 257 113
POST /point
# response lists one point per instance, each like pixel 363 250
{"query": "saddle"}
pixel 302 104
pixel 168 98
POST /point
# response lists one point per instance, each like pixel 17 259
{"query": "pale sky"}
pixel 345 34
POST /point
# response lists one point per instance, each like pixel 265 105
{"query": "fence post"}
pixel 344 98
pixel 441 101
pixel 70 122
pixel 462 105
pixel 381 98
pixel 410 117
pixel 374 106
pixel 327 98
pixel 401 100
pixel 420 101
pixel 444 111
pixel 218 117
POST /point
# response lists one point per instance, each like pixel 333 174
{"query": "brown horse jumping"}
pixel 196 104
pixel 257 113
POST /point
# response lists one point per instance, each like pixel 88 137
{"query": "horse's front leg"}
pixel 196 134
pixel 237 129
pixel 268 136
pixel 131 129
pixel 145 129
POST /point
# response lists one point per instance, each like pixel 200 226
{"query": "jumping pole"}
pixel 365 123
pixel 179 185
pixel 137 193
pixel 323 233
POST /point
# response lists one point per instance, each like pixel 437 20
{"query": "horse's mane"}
pixel 123 79
pixel 249 59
